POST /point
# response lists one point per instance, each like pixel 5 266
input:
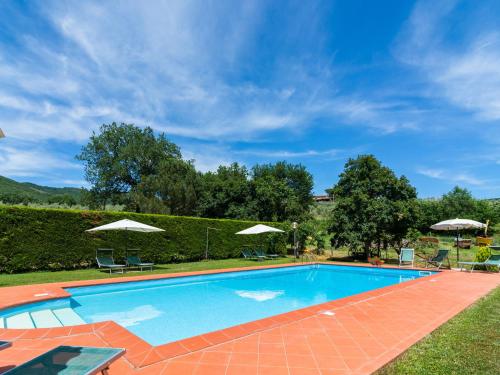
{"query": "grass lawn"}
pixel 446 242
pixel 90 274
pixel 467 344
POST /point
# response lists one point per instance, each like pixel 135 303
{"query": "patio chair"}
pixel 70 360
pixel 263 254
pixel 493 260
pixel 5 344
pixel 248 254
pixel 259 254
pixel 104 258
pixel 406 255
pixel 133 260
pixel 438 259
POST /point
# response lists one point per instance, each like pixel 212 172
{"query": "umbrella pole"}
pixel 457 245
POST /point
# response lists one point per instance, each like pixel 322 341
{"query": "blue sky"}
pixel 417 84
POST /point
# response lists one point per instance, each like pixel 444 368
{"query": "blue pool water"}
pixel 167 310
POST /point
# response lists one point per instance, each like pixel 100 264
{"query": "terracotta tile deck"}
pixel 360 334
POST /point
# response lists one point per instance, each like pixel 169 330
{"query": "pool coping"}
pixel 140 353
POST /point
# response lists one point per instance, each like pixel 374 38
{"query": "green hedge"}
pixel 54 239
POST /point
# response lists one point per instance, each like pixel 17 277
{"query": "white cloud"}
pixel 466 72
pixel 450 176
pixel 208 158
pixel 17 162
pixel 168 65
pixel 291 154
pixel 433 173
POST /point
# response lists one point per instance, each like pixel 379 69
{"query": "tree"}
pixel 373 207
pixel 226 193
pixel 429 212
pixel 64 199
pixel 117 159
pixel 174 190
pixel 458 203
pixel 18 198
pixel 282 191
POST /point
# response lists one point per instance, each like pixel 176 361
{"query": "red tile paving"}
pixel 364 332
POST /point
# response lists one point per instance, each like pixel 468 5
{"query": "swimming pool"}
pixel 171 309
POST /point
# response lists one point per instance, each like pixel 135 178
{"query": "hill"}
pixel 36 192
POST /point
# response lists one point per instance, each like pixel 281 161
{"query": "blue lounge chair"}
pixel 262 254
pixel 133 260
pixel 259 255
pixel 438 259
pixel 248 254
pixel 406 256
pixel 70 360
pixel 104 258
pixel 492 261
pixel 5 344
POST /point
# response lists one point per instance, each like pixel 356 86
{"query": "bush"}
pixel 482 254
pixel 54 239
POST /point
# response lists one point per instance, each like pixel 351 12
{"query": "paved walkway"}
pixel 354 335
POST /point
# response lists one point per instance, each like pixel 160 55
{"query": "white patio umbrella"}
pixel 127 225
pixel 457 225
pixel 259 228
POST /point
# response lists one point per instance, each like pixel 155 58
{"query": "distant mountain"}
pixel 40 193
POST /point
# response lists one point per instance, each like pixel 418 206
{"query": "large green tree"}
pixel 373 207
pixel 281 191
pixel 458 203
pixel 119 156
pixel 226 193
pixel 174 190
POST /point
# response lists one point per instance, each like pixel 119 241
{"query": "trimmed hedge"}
pixel 55 239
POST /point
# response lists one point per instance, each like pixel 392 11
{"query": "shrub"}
pixel 54 239
pixel 482 254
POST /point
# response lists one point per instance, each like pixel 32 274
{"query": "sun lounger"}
pixel 438 259
pixel 406 256
pixel 262 254
pixel 493 261
pixel 248 254
pixel 5 344
pixel 133 260
pixel 259 255
pixel 70 360
pixel 104 258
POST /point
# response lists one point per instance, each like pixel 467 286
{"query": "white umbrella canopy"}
pixel 260 228
pixel 126 224
pixel 456 225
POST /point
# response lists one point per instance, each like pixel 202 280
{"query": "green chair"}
pixel 5 344
pixel 262 253
pixel 70 360
pixel 406 255
pixel 493 261
pixel 438 259
pixel 247 254
pixel 104 258
pixel 133 260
